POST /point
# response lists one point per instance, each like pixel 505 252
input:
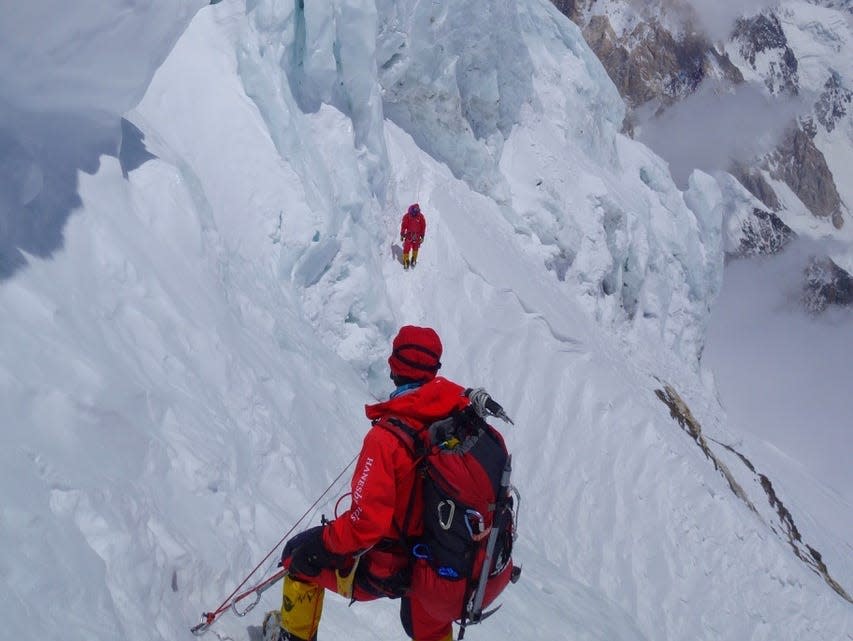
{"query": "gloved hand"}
pixel 402 236
pixel 307 554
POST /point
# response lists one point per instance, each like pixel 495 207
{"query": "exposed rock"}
pixel 763 233
pixel 796 161
pixel 682 415
pixel 833 103
pixel 756 185
pixel 660 58
pixel 568 8
pixel 763 33
pixel 826 284
pixel 759 33
pixel 803 168
pixel 782 518
pixel 649 63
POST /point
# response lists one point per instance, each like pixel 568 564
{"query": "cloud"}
pixel 715 17
pixel 718 16
pixel 714 127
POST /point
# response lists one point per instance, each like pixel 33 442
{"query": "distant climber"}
pixel 412 233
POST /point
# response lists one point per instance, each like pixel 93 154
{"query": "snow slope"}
pixel 186 376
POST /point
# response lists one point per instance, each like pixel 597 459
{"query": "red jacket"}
pixel 384 477
pixel 413 227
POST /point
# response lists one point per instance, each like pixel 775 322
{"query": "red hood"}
pixel 429 402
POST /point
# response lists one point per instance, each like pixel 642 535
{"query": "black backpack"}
pixel 470 507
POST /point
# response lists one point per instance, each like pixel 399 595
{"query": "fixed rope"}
pixel 236 596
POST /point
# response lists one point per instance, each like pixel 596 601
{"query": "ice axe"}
pixel 485 405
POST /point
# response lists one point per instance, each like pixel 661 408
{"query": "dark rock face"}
pixel 758 34
pixel 649 63
pixel 763 33
pixel 796 161
pixel 826 284
pixel 567 8
pixel 780 515
pixel 754 182
pixel 763 233
pixel 652 65
pixel 833 103
pixel 803 168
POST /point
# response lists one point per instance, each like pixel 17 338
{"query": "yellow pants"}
pixel 410 261
pixel 301 608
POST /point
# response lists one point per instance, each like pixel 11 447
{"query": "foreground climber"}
pixel 446 556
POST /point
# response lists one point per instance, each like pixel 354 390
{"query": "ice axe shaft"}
pixel 476 614
pixel 485 405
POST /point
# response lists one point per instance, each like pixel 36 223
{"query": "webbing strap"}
pixel 414 445
pixel 417 450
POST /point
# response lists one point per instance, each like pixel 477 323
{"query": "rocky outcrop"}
pixel 656 56
pixel 826 284
pixel 650 63
pixel 796 161
pixel 655 63
pixel 803 168
pixel 833 103
pixel 778 517
pixel 568 8
pixel 763 233
pixel 762 34
pixel 755 183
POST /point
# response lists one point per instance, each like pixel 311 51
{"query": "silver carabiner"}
pixel 262 587
pixel 446 523
pixel 249 608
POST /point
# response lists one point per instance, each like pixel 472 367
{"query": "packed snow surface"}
pixel 186 372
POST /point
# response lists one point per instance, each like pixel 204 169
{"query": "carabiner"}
pixel 249 608
pixel 473 517
pixel 446 521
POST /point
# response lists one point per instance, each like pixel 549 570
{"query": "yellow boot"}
pixel 414 262
pixel 301 607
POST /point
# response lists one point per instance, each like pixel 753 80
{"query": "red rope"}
pixel 210 617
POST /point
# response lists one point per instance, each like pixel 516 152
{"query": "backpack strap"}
pixel 412 440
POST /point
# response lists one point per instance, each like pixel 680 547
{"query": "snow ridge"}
pixel 188 374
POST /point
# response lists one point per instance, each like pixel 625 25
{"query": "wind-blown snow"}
pixel 187 374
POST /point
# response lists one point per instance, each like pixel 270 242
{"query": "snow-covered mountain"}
pixel 192 323
pixel 760 90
